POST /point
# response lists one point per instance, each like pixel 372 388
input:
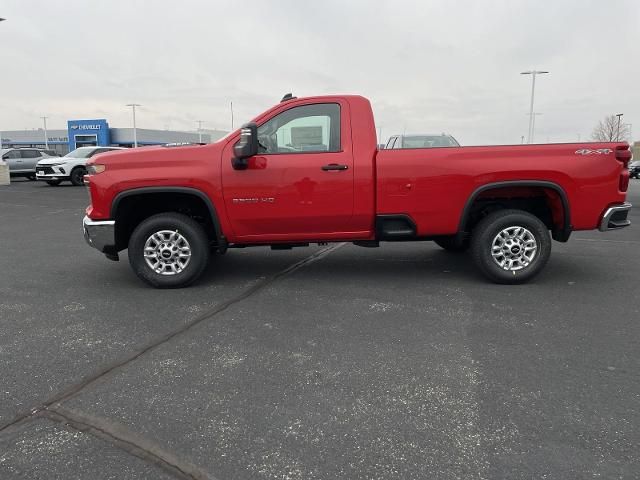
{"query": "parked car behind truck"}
pixel 170 206
pixel 421 141
pixel 71 167
pixel 22 161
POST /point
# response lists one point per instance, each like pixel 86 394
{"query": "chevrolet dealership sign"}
pixel 86 127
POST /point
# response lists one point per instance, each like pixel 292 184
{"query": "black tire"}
pixel 54 183
pixel 31 176
pixel 486 232
pixel 189 230
pixel 453 244
pixel 77 176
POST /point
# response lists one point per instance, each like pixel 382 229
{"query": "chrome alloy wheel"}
pixel 514 248
pixel 167 252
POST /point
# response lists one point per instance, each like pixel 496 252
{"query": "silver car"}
pixel 22 161
pixel 425 140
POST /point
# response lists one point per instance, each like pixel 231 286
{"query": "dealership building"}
pixel 83 133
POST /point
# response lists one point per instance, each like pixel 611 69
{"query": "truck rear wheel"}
pixel 169 250
pixel 510 246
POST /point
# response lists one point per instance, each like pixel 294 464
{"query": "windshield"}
pixel 80 153
pixel 428 141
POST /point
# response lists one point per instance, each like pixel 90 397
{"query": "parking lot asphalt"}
pixel 322 362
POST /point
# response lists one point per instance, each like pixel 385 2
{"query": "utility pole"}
pixel 533 74
pixel 200 122
pixel 619 115
pixel 46 136
pixel 135 133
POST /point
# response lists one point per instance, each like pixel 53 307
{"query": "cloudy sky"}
pixel 426 65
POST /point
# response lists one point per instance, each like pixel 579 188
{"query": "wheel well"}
pixel 130 210
pixel 547 203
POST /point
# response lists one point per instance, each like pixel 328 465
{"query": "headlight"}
pixel 94 169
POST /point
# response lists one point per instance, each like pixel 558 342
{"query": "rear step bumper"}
pixel 615 217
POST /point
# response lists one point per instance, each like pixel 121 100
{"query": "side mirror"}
pixel 246 147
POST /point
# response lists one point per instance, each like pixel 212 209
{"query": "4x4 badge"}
pixel 599 151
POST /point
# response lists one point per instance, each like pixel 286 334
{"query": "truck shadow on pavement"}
pixel 430 266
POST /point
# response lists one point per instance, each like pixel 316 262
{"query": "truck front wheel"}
pixel 510 246
pixel 169 250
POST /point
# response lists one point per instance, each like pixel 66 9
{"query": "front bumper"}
pixel 100 234
pixel 51 172
pixel 615 217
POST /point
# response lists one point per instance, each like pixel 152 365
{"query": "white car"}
pixel 71 167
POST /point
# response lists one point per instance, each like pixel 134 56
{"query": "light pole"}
pixel 135 133
pixel 533 74
pixel 619 115
pixel 1 20
pixel 46 136
pixel 200 122
pixel 630 125
pixel 532 125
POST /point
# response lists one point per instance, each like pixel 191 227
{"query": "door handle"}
pixel 334 166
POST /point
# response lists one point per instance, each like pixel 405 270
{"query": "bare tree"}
pixel 610 130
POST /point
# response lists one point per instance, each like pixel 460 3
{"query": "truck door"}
pixel 300 185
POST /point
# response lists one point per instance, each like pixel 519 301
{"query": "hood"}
pixel 54 160
pixel 156 155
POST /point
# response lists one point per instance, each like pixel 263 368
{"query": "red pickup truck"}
pixel 308 170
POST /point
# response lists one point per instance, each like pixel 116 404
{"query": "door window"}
pixel 12 154
pixel 97 151
pixel 306 129
pixel 30 154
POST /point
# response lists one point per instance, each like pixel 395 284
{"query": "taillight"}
pixel 623 184
pixel 623 154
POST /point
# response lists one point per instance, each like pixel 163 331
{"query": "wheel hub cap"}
pixel 167 252
pixel 514 248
